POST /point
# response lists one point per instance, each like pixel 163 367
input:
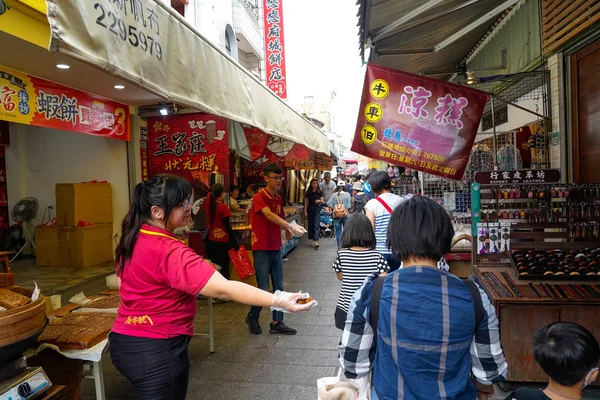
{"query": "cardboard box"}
pixel 88 202
pixel 82 247
pixel 46 251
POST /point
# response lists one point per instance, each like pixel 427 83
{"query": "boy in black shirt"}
pixel 569 354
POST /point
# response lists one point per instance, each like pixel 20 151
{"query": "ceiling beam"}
pixel 386 30
pixel 427 19
pixel 402 51
pixel 473 25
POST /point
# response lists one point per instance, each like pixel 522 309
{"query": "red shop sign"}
pixel 417 122
pixel 25 99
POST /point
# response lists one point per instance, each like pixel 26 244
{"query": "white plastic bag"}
pixel 341 388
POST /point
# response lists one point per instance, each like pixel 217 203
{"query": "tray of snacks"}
pixel 556 264
pixel 77 331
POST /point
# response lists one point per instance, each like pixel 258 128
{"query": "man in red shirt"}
pixel 267 218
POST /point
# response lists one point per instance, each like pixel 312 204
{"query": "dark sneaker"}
pixel 253 325
pixel 281 328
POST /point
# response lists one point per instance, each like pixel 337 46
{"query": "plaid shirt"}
pixel 427 347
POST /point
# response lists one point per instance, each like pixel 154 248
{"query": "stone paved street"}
pixel 260 367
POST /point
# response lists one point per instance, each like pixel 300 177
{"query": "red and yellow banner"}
pixel 25 99
pixel 266 149
pixel 191 146
pixel 275 47
pixel 417 122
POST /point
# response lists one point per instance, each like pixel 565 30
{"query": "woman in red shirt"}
pixel 160 278
pixel 221 237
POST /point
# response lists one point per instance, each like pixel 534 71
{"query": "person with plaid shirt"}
pixel 428 343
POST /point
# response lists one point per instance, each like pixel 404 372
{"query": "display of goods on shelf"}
pixel 557 264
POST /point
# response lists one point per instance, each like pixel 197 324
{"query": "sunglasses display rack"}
pixel 536 253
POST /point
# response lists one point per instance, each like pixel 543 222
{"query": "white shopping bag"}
pixel 341 388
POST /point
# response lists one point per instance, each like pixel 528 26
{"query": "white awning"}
pixel 149 44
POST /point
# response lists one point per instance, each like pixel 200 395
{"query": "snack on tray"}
pixel 78 331
pixel 52 332
pixel 105 303
pixel 304 300
pixel 11 300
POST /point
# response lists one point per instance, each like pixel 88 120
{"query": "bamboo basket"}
pixel 22 322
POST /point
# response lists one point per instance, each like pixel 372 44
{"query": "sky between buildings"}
pixel 322 55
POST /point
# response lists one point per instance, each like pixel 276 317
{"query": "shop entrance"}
pixel 585 100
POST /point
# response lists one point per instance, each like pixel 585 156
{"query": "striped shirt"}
pixel 355 266
pixel 428 343
pixel 382 218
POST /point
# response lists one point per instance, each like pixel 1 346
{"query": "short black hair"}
pixel 358 232
pixel 421 228
pixel 272 168
pixel 232 188
pixel 567 352
pixel 380 181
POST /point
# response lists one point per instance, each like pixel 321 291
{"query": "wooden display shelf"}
pixel 521 317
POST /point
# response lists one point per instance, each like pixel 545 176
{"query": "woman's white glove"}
pixel 288 302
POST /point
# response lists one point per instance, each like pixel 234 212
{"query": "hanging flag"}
pixel 417 122
pixel 274 47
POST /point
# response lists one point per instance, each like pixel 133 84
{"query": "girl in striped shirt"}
pixel 356 259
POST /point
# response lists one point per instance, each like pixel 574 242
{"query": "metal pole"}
pixel 516 150
pixel 494 127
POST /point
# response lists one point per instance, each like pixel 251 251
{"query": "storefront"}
pixel 529 197
pixel 59 137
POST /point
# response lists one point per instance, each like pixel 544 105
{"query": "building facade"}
pixel 236 26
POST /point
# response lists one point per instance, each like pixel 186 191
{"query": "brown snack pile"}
pixel 106 302
pixel 11 300
pixel 78 331
pixel 305 300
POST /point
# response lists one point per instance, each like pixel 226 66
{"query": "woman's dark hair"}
pixel 232 188
pixel 340 189
pixel 318 190
pixel 358 232
pixel 379 182
pixel 215 192
pixel 567 352
pixel 163 191
pixel 420 228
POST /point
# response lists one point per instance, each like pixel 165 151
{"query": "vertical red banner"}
pixel 274 47
pixel 144 152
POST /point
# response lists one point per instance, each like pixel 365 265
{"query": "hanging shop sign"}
pixel 25 99
pixel 275 47
pixel 144 153
pixel 191 146
pixel 417 122
pixel 265 149
pixel 518 177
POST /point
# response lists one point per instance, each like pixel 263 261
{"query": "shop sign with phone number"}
pixel 144 34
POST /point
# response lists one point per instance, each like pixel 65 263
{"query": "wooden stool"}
pixel 7 278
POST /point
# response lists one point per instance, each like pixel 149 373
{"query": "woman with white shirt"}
pixel 379 211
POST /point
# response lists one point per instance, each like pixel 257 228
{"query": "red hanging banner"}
pixel 25 99
pixel 417 122
pixel 275 47
pixel 191 146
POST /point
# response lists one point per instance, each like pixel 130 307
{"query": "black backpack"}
pixel 376 296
